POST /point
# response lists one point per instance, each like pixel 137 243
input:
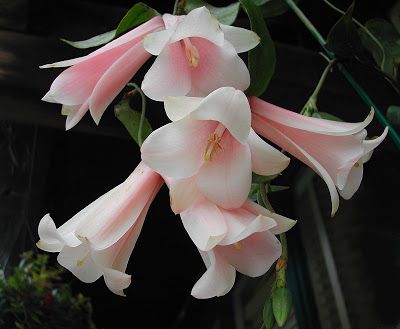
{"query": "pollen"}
pixel 192 53
pixel 237 246
pixel 213 146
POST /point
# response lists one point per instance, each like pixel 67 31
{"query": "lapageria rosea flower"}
pixel 99 240
pixel 334 150
pixel 211 142
pixel 196 55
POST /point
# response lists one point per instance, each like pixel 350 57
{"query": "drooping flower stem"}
pixel 143 113
pixel 360 91
pixel 178 7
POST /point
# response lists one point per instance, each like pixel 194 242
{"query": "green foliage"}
pixel 273 8
pixel 343 39
pixel 393 115
pixel 137 15
pixel 35 297
pixel 281 305
pixel 225 15
pixel 261 59
pixel 326 116
pixel 268 315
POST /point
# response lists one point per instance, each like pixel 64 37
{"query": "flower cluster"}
pixel 206 155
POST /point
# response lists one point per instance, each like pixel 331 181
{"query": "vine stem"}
pixel 360 91
pixel 322 80
pixel 143 113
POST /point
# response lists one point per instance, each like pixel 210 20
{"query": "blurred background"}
pixel 343 272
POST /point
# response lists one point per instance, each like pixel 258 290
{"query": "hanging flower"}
pixel 93 81
pixel 196 55
pixel 334 150
pixel 249 247
pixel 211 141
pixel 99 240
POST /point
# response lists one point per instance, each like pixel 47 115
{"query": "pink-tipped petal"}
pixel 115 78
pixel 178 107
pixel 241 39
pixel 228 106
pixel 214 69
pixel 295 120
pixel 265 159
pixel 177 149
pixel 217 280
pixel 226 178
pixel 205 225
pixel 169 75
pixel 254 255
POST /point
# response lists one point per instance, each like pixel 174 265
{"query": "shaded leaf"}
pixel 394 15
pixel 387 59
pixel 262 179
pixel 261 59
pixel 273 8
pixel 277 188
pixel 225 15
pixel 326 116
pixel 268 315
pixel 95 41
pixel 281 305
pixel 393 115
pixel 131 120
pixel 343 38
pixel 254 191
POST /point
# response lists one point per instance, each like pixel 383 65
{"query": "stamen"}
pixel 81 261
pixel 214 143
pixel 192 53
pixel 237 245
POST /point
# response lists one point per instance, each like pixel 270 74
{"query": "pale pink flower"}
pixel 99 240
pixel 196 55
pixel 94 80
pixel 334 150
pixel 249 245
pixel 210 140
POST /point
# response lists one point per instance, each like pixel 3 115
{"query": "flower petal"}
pixel 264 128
pixel 228 106
pixel 115 78
pixel 183 193
pixel 78 260
pixel 371 144
pixel 254 255
pixel 205 224
pixel 50 239
pixel 116 281
pixel 199 23
pixel 169 75
pixel 295 120
pixel 242 39
pixel 265 159
pixel 214 69
pixel 155 42
pixel 75 114
pixel 226 179
pixel 217 280
pixel 353 182
pixel 179 107
pixel 177 149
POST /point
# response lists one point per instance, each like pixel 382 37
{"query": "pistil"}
pixel 192 53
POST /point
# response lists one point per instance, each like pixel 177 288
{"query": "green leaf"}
pixel 262 179
pixel 135 16
pixel 394 15
pixel 273 8
pixel 131 120
pixel 225 15
pixel 262 59
pixel 388 38
pixel 277 188
pixel 281 305
pixel 268 315
pixel 326 116
pixel 393 115
pixel 343 38
pixel 95 41
pixel 254 191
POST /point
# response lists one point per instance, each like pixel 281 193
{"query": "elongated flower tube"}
pixel 250 247
pixel 196 55
pixel 334 150
pixel 210 140
pixel 94 80
pixel 99 240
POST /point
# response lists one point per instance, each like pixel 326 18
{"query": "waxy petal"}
pixel 116 281
pixel 155 42
pixel 265 159
pixel 254 255
pixel 50 239
pixel 169 75
pixel 241 39
pixel 177 149
pixel 228 106
pixel 75 114
pixel 226 179
pixel 217 280
pixel 183 193
pixel 205 225
pixel 179 107
pixel 353 182
pixel 295 120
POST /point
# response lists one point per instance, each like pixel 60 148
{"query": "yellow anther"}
pixel 213 146
pixel 192 53
pixel 237 245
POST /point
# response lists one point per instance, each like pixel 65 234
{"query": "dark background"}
pixel 49 170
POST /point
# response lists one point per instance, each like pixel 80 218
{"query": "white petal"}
pixel 155 42
pixel 50 239
pixel 217 280
pixel 177 108
pixel 205 225
pixel 199 23
pixel 116 281
pixel 353 182
pixel 183 193
pixel 228 106
pixel 265 159
pixel 371 144
pixel 177 149
pixel 242 39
